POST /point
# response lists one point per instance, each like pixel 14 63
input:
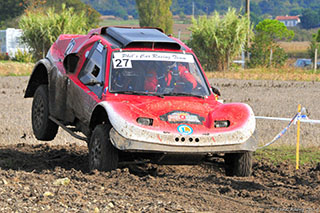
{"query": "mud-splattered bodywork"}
pixel 79 71
pixel 165 136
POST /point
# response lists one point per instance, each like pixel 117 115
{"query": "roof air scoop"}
pixel 142 37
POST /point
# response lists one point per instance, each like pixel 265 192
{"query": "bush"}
pixel 23 56
pixel 260 53
pixel 216 41
pixel 41 28
pixel 4 56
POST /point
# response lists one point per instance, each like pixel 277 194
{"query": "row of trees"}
pixel 205 7
pixel 260 9
pixel 216 40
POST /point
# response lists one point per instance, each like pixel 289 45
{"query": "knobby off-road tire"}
pixel 238 164
pixel 103 156
pixel 43 128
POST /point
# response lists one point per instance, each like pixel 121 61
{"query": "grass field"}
pixel 278 155
pixel 284 74
pixel 10 68
pixel 296 49
pixel 288 73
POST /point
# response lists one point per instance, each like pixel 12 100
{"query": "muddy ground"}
pixel 47 177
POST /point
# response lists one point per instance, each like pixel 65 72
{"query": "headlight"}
pixel 145 121
pixel 221 124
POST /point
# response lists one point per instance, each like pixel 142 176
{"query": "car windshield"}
pixel 155 73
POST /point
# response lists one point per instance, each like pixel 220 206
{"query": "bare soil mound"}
pixel 30 176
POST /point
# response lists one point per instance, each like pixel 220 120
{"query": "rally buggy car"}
pixel 137 92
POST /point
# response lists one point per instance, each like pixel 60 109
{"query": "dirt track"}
pixel 29 169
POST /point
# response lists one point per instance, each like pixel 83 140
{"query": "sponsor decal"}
pixel 185 129
pixel 105 90
pixel 153 56
pixel 182 117
pixel 121 63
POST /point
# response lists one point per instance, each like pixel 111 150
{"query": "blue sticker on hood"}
pixel 185 129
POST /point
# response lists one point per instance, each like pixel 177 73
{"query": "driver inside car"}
pixel 182 78
pixel 175 76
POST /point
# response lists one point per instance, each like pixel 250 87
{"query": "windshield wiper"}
pixel 140 93
pixel 182 94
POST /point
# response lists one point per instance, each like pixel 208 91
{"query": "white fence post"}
pixel 315 60
pixel 271 53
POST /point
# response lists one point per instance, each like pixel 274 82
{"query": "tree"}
pixel 310 19
pixel 216 41
pixel 274 30
pixel 42 27
pixel 9 10
pixel 155 13
pixel 265 46
pixel 314 44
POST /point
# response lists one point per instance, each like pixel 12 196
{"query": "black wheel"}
pixel 103 156
pixel 238 164
pixel 43 128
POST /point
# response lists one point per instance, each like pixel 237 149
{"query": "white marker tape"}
pixel 288 119
pixel 300 116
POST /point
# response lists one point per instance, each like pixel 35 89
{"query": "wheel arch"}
pixel 99 116
pixel 39 76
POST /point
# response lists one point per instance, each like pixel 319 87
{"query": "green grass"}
pixel 276 155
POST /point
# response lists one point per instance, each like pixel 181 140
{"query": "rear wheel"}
pixel 43 128
pixel 238 164
pixel 103 156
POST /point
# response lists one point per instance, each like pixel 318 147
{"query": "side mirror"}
pixel 216 91
pixel 93 82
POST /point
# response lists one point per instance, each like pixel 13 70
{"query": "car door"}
pixel 85 89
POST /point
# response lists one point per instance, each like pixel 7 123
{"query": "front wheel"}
pixel 238 164
pixel 43 128
pixel 103 156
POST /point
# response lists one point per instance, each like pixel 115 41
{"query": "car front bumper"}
pixel 130 145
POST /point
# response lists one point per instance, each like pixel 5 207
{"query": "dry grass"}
pixel 295 46
pixel 283 74
pixel 9 68
pixel 184 32
pixel 296 49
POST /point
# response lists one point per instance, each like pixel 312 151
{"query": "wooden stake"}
pixel 298 139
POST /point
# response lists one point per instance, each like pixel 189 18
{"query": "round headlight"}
pixel 145 121
pixel 221 124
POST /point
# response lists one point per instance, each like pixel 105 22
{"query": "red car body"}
pixel 162 122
